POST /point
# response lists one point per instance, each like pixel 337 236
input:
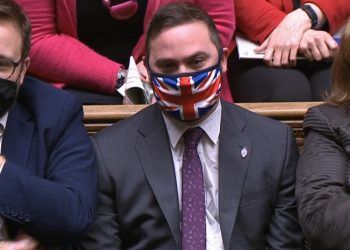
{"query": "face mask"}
pixel 8 94
pixel 188 96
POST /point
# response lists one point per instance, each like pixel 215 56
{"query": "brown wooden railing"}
pixel 97 117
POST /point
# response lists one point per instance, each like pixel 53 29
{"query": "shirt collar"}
pixel 3 119
pixel 210 125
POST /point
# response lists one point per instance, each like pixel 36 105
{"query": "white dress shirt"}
pixel 3 229
pixel 3 121
pixel 208 150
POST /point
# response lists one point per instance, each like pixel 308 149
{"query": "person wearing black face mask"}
pixel 196 172
pixel 8 94
pixel 47 163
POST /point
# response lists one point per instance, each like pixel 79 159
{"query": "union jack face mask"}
pixel 188 96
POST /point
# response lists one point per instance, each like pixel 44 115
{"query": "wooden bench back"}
pixel 97 117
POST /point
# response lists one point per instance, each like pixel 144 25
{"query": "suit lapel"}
pixel 233 166
pixel 18 135
pixel 153 149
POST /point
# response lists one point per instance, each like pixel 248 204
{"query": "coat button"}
pixel 27 218
pixel 7 210
pixel 21 215
pixel 14 212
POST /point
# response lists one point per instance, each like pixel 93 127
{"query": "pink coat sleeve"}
pixel 223 14
pixel 60 58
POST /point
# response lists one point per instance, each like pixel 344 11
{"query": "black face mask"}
pixel 8 94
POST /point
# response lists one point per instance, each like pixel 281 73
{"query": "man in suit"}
pixel 47 163
pixel 194 172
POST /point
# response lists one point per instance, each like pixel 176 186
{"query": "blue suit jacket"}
pixel 48 183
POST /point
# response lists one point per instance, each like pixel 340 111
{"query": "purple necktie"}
pixel 193 196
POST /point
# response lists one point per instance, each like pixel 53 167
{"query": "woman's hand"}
pixel 143 71
pixel 282 44
pixel 22 242
pixel 317 45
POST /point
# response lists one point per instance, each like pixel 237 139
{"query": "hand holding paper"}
pixel 134 90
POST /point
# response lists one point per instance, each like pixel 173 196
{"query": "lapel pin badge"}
pixel 244 152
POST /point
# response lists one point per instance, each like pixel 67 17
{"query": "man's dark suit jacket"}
pixel 48 183
pixel 323 178
pixel 138 204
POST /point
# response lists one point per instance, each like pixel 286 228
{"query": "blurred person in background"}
pixel 286 29
pixel 47 164
pixel 84 45
pixel 323 173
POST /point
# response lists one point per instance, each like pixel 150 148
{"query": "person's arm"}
pixel 22 242
pixel 281 46
pixel 61 58
pixel 317 45
pixel 284 230
pixel 279 32
pixel 58 208
pixel 223 14
pixel 257 19
pixel 336 12
pixel 322 187
pixel 104 233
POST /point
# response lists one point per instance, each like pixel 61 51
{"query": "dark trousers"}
pixel 95 98
pixel 252 81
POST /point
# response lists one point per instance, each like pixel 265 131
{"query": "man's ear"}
pixel 24 68
pixel 225 54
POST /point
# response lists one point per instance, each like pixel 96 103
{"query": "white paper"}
pixel 134 89
pixel 246 48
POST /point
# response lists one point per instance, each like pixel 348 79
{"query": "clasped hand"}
pixel 293 35
pixel 22 242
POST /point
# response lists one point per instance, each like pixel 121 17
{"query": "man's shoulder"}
pixel 251 119
pixel 327 118
pixel 263 130
pixel 42 96
pixel 45 103
pixel 123 136
pixel 36 90
pixel 129 126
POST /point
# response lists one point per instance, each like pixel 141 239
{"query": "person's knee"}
pixel 320 82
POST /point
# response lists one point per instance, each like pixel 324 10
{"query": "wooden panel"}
pixel 97 117
pixel 277 110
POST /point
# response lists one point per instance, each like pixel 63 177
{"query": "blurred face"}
pixel 11 66
pixel 184 49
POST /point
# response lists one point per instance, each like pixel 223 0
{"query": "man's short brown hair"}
pixel 11 12
pixel 175 14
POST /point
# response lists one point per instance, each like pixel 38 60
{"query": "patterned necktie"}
pixel 193 196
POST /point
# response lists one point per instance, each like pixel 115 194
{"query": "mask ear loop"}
pixel 123 10
pixel 18 77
